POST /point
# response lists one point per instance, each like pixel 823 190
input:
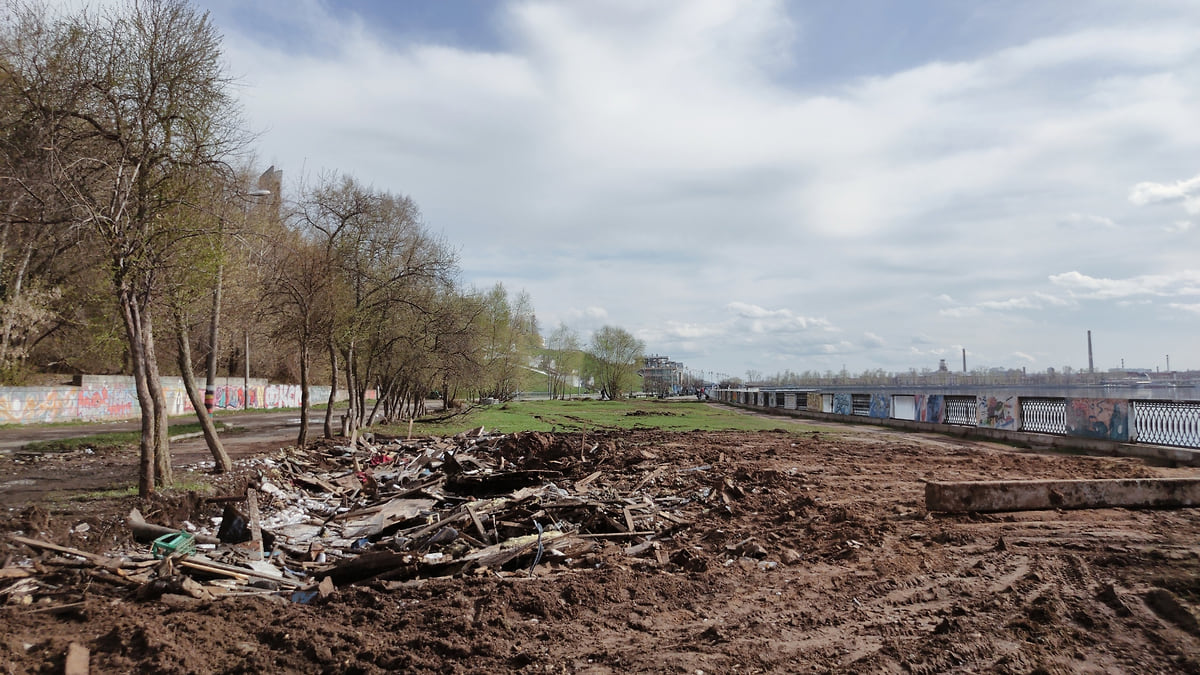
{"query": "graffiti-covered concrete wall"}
pixel 1090 418
pixel 106 398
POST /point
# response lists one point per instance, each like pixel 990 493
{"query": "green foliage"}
pixel 615 355
pixel 509 338
pixel 561 360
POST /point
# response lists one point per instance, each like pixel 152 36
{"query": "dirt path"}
pixel 28 478
pixel 825 560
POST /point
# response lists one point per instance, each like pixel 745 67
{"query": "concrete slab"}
pixel 1031 495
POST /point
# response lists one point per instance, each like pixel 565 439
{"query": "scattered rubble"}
pixel 529 504
pixel 603 553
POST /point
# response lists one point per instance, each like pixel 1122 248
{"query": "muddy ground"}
pixel 825 560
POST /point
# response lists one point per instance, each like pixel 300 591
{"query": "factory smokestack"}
pixel 964 359
pixel 1091 366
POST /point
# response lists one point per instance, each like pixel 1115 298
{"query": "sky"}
pixel 768 186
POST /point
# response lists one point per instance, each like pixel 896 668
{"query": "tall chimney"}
pixel 964 359
pixel 1091 366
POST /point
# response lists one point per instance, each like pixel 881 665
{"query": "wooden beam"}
pixel 1032 495
pixel 77 661
pixel 101 560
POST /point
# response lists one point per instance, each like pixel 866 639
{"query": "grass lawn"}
pixel 598 415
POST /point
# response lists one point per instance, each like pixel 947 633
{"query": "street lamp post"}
pixel 246 378
pixel 211 374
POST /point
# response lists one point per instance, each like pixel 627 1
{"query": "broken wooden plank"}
pixel 256 538
pixel 78 658
pixel 628 519
pixel 1031 495
pixel 582 484
pixel 365 566
pixel 101 560
pixel 483 535
pixel 394 511
pixel 658 471
pixel 214 567
pixel 614 535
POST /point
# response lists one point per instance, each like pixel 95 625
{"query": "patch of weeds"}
pixel 98 495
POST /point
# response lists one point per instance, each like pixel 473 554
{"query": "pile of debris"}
pixel 397 511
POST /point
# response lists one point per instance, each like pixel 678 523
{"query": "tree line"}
pixel 136 238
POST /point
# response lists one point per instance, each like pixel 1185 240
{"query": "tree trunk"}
pixel 380 395
pixel 333 363
pixel 162 447
pixel 352 394
pixel 223 463
pixel 14 295
pixel 130 316
pixel 302 437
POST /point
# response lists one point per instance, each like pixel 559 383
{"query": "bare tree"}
pixel 299 299
pixel 145 113
pixel 383 261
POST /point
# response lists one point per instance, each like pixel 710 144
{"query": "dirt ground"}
pixel 825 560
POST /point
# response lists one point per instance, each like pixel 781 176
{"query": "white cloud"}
pixel 1184 282
pixel 672 163
pixel 1186 191
pixel 1010 304
pixel 1195 308
pixel 776 320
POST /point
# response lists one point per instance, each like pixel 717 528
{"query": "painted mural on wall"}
pixel 881 406
pixel 814 401
pixel 998 413
pixel 1103 418
pixel 929 407
pixel 842 404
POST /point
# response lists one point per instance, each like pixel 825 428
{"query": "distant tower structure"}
pixel 964 359
pixel 942 366
pixel 272 180
pixel 1091 366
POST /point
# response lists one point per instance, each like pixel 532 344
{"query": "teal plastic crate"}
pixel 176 543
